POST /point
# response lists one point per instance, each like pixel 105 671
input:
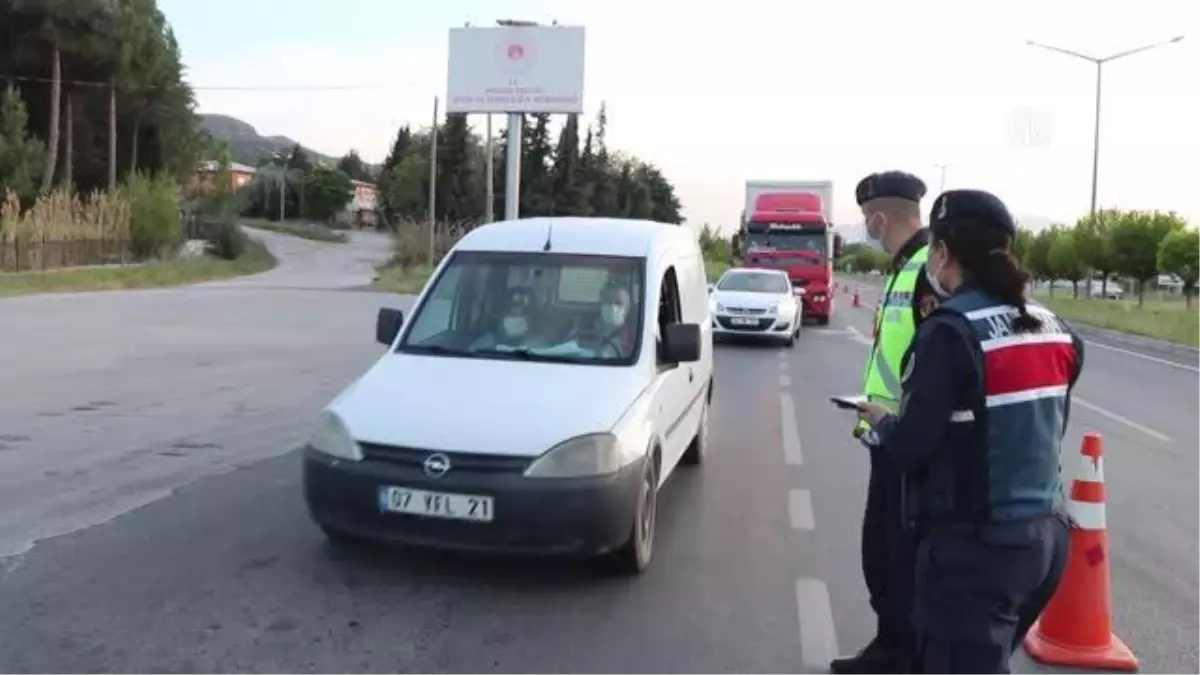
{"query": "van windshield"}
pixel 549 307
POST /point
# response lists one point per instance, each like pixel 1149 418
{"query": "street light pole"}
pixel 1100 61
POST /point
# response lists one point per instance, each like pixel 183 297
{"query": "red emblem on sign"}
pixel 516 52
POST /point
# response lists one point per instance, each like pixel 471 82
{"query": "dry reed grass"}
pixel 62 229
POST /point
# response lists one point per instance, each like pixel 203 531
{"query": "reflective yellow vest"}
pixel 895 328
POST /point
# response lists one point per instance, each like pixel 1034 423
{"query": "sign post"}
pixel 516 68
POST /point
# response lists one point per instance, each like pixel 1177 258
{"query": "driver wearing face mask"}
pixel 513 328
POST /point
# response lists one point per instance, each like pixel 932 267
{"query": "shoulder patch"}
pixel 928 304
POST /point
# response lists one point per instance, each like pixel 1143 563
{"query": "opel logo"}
pixel 436 465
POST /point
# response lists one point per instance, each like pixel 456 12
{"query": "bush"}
pixel 410 242
pixel 155 225
pixel 230 242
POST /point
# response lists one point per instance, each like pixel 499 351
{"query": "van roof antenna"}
pixel 549 235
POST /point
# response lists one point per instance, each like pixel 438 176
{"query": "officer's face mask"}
pixel 931 274
pixel 875 226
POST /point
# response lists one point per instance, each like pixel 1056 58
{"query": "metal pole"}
pixel 282 194
pixel 433 182
pixel 512 173
pixel 1096 137
pixel 490 214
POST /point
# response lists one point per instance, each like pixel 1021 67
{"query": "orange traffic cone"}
pixel 857 301
pixel 1076 627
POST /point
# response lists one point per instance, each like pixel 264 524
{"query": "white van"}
pixel 552 375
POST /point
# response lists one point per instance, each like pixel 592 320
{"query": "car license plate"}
pixel 743 321
pixel 476 508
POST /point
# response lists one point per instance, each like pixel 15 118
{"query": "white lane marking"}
pixel 785 380
pixel 858 337
pixel 1165 362
pixel 818 638
pixel 1123 420
pixel 800 510
pixel 791 431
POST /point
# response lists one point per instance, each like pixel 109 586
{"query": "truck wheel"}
pixel 822 321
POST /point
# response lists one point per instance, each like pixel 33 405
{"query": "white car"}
pixel 756 303
pixel 553 374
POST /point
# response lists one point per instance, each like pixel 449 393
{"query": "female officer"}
pixel 986 390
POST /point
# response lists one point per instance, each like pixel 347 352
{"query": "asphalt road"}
pixel 151 515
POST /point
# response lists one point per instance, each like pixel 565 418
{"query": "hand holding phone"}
pixel 853 402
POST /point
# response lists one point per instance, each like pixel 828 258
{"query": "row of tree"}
pixel 99 85
pixel 573 175
pixel 1136 245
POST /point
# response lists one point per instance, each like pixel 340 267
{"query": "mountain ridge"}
pixel 248 146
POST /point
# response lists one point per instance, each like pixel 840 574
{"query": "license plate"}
pixel 743 321
pixel 476 508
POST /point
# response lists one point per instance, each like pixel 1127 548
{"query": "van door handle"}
pixel 691 376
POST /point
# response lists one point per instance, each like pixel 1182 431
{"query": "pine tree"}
pixel 458 196
pixel 569 197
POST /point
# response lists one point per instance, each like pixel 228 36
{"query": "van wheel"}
pixel 634 556
pixel 699 446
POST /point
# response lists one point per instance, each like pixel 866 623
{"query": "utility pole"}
pixel 433 182
pixel 942 184
pixel 512 173
pixel 490 213
pixel 1099 62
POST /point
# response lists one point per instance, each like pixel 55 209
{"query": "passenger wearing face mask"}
pixel 891 207
pixel 985 403
pixel 613 336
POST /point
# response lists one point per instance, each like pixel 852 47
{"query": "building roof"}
pixel 212 166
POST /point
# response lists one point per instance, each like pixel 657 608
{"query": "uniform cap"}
pixel 971 207
pixel 894 184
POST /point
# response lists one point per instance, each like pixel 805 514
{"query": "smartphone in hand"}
pixel 853 402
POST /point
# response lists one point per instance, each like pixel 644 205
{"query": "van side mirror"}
pixel 387 325
pixel 798 292
pixel 710 289
pixel 681 343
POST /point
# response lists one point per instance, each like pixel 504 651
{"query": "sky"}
pixel 718 93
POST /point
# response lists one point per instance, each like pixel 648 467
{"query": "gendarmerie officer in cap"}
pixel 986 396
pixel 891 207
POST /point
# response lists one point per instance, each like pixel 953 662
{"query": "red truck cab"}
pixel 789 231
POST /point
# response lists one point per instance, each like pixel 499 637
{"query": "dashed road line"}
pixel 791 431
pixel 1123 420
pixel 1165 362
pixel 800 510
pixel 785 380
pixel 818 638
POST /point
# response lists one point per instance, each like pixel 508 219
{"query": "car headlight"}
pixel 579 457
pixel 333 438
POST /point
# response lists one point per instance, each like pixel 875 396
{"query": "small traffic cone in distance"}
pixel 1075 629
pixel 857 301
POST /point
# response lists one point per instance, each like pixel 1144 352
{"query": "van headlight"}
pixel 333 438
pixel 580 457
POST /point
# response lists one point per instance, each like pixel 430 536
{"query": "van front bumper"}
pixel 569 516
